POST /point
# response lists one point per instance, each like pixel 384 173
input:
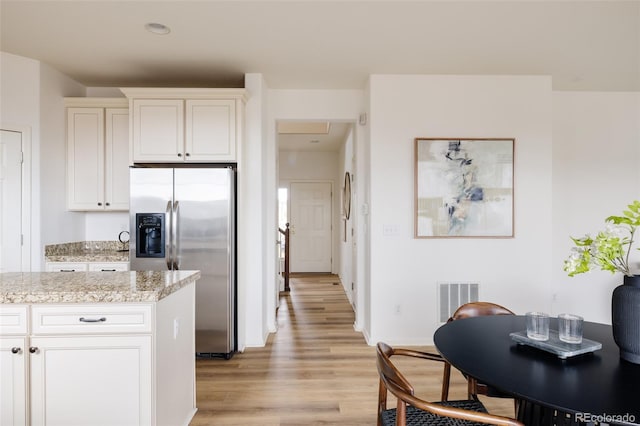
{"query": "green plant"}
pixel 609 250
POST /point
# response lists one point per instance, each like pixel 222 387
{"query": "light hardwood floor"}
pixel 316 370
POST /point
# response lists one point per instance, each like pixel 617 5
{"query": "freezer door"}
pixel 203 208
pixel 151 198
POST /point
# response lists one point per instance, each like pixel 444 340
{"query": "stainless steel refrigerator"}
pixel 183 217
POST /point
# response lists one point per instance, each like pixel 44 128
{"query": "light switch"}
pixel 390 230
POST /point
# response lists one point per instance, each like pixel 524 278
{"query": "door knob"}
pixel 16 350
pixel 33 349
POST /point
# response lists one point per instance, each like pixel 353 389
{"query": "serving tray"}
pixel 556 346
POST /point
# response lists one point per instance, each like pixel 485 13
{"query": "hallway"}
pixel 316 370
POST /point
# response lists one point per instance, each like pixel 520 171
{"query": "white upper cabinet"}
pixel 210 131
pixel 116 172
pixel 158 130
pixel 185 125
pixel 97 154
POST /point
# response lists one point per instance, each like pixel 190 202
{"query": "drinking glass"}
pixel 537 325
pixel 570 328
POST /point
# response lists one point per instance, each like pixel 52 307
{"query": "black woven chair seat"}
pixel 417 417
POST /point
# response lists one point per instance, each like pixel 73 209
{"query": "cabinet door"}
pixel 210 130
pixel 85 158
pixel 13 390
pixel 65 267
pixel 116 171
pixel 158 126
pixel 90 380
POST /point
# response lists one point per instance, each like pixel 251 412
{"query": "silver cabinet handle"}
pixel 33 349
pixel 83 319
pixel 16 350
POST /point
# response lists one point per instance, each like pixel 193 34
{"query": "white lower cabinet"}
pixel 65 266
pixel 14 364
pixel 108 266
pixel 86 266
pixel 91 380
pixel 99 364
pixel 13 386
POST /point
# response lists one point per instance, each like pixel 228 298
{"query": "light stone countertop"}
pixel 92 287
pixel 87 251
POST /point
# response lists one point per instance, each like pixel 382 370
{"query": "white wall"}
pixel 405 271
pixel 254 296
pixel 20 107
pixel 105 226
pixel 58 224
pixel 31 96
pixel 596 173
pixel 307 165
pixel 347 265
pixel 348 262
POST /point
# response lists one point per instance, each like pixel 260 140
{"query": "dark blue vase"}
pixel 625 318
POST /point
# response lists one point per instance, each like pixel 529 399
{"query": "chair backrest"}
pixel 389 374
pixel 392 380
pixel 468 310
pixel 478 309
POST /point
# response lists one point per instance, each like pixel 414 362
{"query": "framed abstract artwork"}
pixel 464 188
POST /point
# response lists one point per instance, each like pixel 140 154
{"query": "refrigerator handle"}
pixel 168 218
pixel 175 237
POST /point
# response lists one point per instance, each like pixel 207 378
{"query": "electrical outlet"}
pixel 176 328
pixel 397 309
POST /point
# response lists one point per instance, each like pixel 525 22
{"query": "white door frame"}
pixel 26 191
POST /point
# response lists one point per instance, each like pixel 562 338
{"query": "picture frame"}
pixel 464 187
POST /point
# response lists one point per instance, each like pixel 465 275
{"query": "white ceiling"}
pixel 584 45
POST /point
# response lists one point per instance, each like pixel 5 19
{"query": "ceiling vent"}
pixel 303 128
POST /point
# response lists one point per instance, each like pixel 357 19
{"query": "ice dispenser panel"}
pixel 150 229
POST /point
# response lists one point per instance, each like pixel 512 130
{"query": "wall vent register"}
pixel 454 295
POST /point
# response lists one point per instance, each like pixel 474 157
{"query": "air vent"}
pixel 453 295
pixel 303 128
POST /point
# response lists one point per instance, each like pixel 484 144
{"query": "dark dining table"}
pixel 592 388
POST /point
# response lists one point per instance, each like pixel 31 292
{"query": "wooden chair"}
pixel 411 410
pixel 468 310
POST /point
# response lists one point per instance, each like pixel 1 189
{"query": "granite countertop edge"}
pixel 92 287
pixel 106 256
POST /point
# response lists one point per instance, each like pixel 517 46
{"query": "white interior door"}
pixel 10 201
pixel 310 227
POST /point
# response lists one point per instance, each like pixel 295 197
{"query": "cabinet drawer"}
pixel 66 267
pixel 109 266
pixel 91 319
pixel 13 319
